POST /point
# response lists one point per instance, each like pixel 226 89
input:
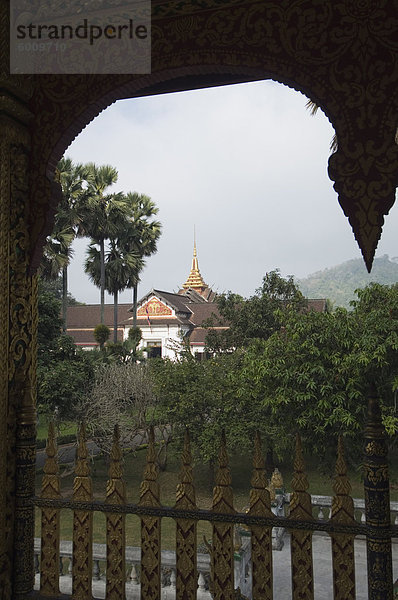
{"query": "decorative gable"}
pixel 154 308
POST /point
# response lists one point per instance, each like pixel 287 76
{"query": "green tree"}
pixel 202 396
pixel 58 249
pixel 105 214
pixel 64 372
pixel 63 378
pixel 314 374
pixel 311 374
pixel 140 237
pixel 121 267
pixel 255 317
pixel 50 322
pixel 55 288
pixel 127 351
pixel 101 334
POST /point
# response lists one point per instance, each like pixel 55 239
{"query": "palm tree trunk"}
pixel 115 316
pixel 64 298
pixel 135 304
pixel 102 279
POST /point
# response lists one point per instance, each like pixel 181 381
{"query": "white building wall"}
pixel 168 335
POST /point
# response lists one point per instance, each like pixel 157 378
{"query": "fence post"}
pixel 50 524
pixel 150 527
pixel 377 506
pixel 115 526
pixel 222 550
pixel 301 540
pixel 186 544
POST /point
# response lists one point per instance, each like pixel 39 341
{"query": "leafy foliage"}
pixel 50 322
pixel 64 374
pixel 55 288
pixel 126 351
pixel 203 397
pixel 64 371
pixel 311 374
pixel 255 317
pixel 314 375
pixel 101 334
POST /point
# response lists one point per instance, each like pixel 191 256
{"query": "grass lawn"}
pixel 66 428
pixel 240 471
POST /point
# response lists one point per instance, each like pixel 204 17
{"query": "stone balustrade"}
pixel 322 506
pixel 133 559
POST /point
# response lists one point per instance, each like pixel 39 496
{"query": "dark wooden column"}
pixel 377 506
pixel 18 325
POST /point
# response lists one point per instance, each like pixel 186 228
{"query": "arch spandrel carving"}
pixel 343 55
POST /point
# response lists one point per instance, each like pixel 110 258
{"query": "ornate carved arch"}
pixel 343 55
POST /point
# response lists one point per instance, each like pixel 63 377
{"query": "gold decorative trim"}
pixel 186 540
pixel 115 525
pixel 50 520
pixel 301 541
pixel 82 558
pixel 222 549
pixel 150 527
pixel 261 540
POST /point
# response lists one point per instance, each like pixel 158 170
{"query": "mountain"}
pixel 339 283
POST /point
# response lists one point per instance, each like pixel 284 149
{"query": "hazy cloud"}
pixel 245 164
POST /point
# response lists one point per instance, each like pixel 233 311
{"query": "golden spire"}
pixel 194 280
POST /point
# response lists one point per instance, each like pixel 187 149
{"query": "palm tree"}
pixel 141 235
pixel 121 266
pixel 105 215
pixel 58 251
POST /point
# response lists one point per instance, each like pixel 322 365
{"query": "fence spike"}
pixel 341 484
pixel 186 529
pixel 51 462
pixel 82 468
pixel 299 481
pixel 223 474
pixel 149 490
pixel 150 526
pixel 82 570
pixel 50 519
pixel 115 525
pixel 116 457
pixel 259 479
pixel 222 555
pixel 301 541
pixel 342 544
pixel 261 537
pixel 185 496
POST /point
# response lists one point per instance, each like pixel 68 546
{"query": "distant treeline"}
pixel 339 283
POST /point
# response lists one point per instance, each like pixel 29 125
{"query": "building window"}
pixel 154 349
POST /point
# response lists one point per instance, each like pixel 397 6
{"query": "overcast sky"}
pixel 246 165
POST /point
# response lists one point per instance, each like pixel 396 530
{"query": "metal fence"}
pixel 259 519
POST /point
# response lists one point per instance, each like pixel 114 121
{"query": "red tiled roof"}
pixel 203 311
pixel 199 334
pixel 82 320
pixel 85 337
pixel 88 315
